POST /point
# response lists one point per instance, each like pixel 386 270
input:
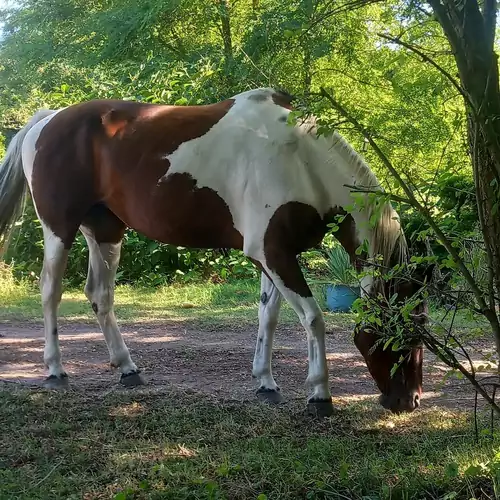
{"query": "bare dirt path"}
pixel 217 362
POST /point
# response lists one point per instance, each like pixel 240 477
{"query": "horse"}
pixel 233 174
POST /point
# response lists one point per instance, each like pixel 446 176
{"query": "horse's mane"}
pixel 387 237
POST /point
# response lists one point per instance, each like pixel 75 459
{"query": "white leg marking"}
pixel 54 264
pixel 312 320
pixel 268 319
pixel 99 289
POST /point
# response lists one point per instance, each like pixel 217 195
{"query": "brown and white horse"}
pixel 228 175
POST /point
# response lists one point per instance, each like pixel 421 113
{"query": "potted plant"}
pixel 343 288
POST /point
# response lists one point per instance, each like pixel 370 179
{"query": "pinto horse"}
pixel 233 174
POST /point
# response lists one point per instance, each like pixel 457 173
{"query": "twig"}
pixel 414 202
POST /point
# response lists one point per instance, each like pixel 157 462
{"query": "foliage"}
pixel 453 202
pixel 339 267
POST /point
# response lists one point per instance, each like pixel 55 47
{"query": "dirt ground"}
pixel 217 362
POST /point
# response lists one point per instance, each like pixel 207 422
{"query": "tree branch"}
pixel 427 59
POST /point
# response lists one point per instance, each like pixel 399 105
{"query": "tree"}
pixel 471 34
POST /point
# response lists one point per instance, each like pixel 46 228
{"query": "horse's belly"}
pixel 175 211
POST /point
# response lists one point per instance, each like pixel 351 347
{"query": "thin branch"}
pixel 393 197
pixel 353 78
pixel 444 353
pixel 347 7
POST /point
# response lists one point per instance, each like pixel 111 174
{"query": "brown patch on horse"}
pixel 105 225
pixel 346 234
pixel 296 227
pixel 114 121
pixel 293 228
pixel 283 99
pixel 406 380
pixel 199 217
pixel 112 153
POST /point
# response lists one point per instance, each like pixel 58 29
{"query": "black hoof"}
pixel 55 382
pixel 132 379
pixel 269 395
pixel 320 408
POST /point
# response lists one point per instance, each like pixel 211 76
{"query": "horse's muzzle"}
pixel 401 404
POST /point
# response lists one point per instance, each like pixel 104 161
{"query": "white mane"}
pixel 386 238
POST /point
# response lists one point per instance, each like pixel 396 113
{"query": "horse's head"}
pixel 401 390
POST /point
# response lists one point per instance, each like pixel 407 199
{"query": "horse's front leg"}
pixel 285 272
pixel 269 308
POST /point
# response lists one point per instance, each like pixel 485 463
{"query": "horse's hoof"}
pixel 56 382
pixel 132 379
pixel 272 396
pixel 320 408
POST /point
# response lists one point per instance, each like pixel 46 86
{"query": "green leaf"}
pixel 473 470
pixel 344 470
pixel 451 470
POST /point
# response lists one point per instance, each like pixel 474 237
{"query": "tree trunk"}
pixel 470 33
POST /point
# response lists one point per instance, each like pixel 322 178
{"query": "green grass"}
pixel 130 445
pixel 233 304
pixel 134 445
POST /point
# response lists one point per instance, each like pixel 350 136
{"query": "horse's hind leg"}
pixel 269 308
pixel 54 264
pixel 99 289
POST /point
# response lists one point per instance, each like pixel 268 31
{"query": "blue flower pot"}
pixel 340 298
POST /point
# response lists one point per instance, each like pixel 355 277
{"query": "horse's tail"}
pixel 12 181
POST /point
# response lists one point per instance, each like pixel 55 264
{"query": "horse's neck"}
pixel 340 169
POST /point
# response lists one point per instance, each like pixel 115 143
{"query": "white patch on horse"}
pixel 311 318
pixel 269 308
pixel 256 163
pixel 29 145
pixel 99 290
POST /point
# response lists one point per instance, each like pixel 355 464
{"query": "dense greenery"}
pixel 55 53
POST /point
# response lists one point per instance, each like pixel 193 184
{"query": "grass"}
pixel 138 444
pixel 233 304
pixel 132 445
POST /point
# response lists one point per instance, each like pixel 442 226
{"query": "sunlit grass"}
pixel 228 304
pixel 139 445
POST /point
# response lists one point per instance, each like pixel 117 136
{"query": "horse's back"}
pixel 179 174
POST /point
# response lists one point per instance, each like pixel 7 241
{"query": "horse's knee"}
pixel 101 300
pixel 314 321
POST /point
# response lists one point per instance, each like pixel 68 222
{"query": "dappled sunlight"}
pixel 421 420
pixel 354 360
pixel 153 454
pixel 129 410
pixel 18 370
pixel 151 339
